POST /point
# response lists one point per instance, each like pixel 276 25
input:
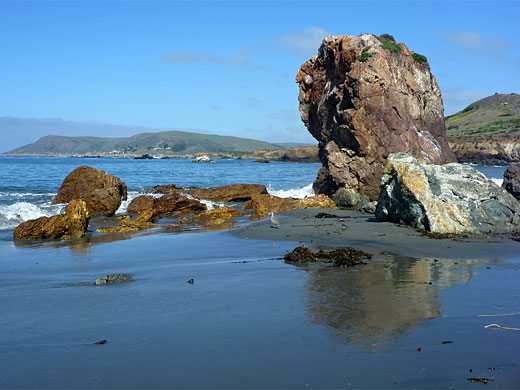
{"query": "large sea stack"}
pixel 363 98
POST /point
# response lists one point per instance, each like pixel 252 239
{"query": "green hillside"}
pixel 165 142
pixel 496 114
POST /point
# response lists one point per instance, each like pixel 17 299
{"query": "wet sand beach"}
pixel 249 320
pixel 362 231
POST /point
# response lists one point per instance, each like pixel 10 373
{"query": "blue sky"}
pixel 228 67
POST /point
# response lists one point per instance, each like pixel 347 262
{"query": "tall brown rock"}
pixel 362 101
pixel 101 191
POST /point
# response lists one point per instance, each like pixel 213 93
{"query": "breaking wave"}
pixel 296 193
pixel 16 213
pixel 497 181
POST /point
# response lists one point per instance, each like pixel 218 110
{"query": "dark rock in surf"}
pixel 511 181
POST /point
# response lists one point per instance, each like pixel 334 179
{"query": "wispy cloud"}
pixel 475 42
pixel 305 43
pixel 253 102
pixel 240 57
pixel 285 115
pixel 456 99
pixel 297 133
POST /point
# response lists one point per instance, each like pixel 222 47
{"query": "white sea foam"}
pixel 209 204
pixel 24 194
pixel 296 193
pixel 14 214
pixel 131 195
pixel 497 181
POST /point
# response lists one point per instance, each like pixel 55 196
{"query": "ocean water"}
pixel 249 320
pixel 28 184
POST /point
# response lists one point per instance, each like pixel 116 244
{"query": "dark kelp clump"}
pixel 344 257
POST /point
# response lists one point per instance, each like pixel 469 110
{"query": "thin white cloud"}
pixel 285 115
pixel 240 57
pixel 455 99
pixel 305 43
pixel 253 102
pixel 475 42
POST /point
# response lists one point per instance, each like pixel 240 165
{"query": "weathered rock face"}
pixel 72 224
pixel 163 189
pixel 112 278
pixel 453 198
pixel 142 221
pixel 101 191
pixel 511 181
pixel 362 107
pixel 496 149
pixel 212 217
pixel 301 154
pixel 230 193
pixel 265 203
pixel 170 203
pixel 347 198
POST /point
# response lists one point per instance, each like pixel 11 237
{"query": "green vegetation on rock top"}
pixel 364 55
pixel 419 58
pixel 388 43
pixel 498 114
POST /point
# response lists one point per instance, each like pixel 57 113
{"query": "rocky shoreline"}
pixel 301 154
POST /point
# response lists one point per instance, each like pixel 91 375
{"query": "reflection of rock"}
pixel 229 193
pixel 102 192
pixel 511 181
pixel 168 204
pixel 72 224
pixel 363 102
pixel 369 305
pixel 452 198
pixel 266 203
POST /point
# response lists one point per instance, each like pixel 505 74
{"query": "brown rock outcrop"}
pixel 213 217
pixel 302 154
pixel 170 203
pixel 495 149
pixel 101 191
pixel 163 189
pixel 265 203
pixel 230 193
pixel 362 102
pixel 72 224
pixel 142 221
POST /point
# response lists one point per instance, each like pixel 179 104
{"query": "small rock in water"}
pixel 191 281
pixel 101 342
pixel 112 278
pixel 482 380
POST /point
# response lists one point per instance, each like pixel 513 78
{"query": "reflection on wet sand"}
pixel 81 246
pixel 372 304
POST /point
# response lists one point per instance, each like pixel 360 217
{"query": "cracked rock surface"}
pixel 362 109
pixel 452 198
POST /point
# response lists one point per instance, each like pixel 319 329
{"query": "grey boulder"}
pixel 451 198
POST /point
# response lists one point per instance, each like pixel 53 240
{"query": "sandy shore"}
pixel 362 231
